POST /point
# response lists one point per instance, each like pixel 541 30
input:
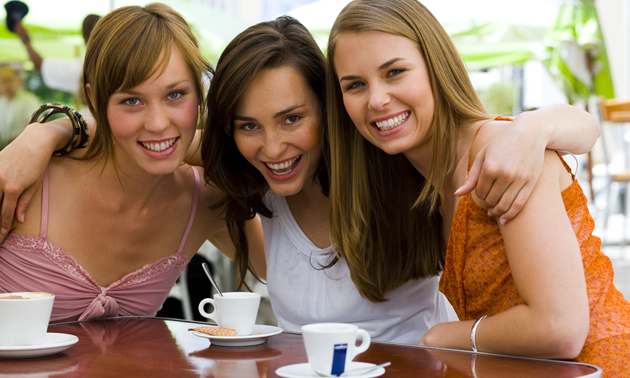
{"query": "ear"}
pixel 89 94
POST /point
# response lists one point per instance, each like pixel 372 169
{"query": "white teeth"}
pixel 159 147
pixel 279 169
pixel 389 124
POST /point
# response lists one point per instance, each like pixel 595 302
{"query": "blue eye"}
pixel 394 72
pixel 175 95
pixel 354 85
pixel 131 101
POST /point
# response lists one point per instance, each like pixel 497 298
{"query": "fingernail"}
pixel 4 230
pixel 23 216
pixel 503 221
pixel 489 213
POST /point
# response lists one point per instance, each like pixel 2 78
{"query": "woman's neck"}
pixel 422 156
pixel 126 188
pixel 309 208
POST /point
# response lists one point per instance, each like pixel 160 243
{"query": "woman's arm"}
pixel 506 170
pixel 546 265
pixel 254 233
pixel 23 163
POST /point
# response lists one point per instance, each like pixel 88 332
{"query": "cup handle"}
pixel 211 315
pixel 365 343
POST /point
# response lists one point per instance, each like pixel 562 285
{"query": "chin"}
pixel 284 190
pixel 162 170
pixel 392 150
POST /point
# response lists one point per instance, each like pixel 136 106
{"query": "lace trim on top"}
pixel 69 264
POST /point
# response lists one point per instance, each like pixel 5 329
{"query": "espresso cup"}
pixel 236 311
pixel 330 347
pixel 24 318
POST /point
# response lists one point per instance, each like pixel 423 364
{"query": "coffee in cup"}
pixel 330 347
pixel 24 318
pixel 237 311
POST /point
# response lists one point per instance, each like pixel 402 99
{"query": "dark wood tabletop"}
pixel 155 347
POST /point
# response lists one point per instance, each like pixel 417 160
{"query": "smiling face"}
pixel 277 128
pixel 153 124
pixel 386 89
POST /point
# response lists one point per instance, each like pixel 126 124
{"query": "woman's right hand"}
pixel 23 164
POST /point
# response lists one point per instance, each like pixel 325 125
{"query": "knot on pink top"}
pixel 102 306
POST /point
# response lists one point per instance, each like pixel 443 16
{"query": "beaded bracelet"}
pixel 80 131
pixel 473 333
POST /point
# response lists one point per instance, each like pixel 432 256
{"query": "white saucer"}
pixel 264 330
pixel 304 370
pixel 54 343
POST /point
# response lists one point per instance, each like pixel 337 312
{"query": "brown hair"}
pixel 371 195
pixel 267 45
pixel 122 52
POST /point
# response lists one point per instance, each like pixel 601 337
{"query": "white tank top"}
pixel 302 293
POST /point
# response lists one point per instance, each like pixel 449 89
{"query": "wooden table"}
pixel 154 347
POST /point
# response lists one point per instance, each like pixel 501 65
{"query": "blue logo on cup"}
pixel 339 359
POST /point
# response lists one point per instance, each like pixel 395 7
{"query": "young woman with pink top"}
pixel 112 228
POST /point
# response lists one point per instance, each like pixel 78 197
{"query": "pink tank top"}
pixel 29 263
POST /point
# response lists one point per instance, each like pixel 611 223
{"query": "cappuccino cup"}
pixel 24 318
pixel 237 311
pixel 330 347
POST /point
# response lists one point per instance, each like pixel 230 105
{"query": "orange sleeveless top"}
pixel 477 279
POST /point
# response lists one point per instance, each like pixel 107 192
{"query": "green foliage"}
pixel 498 98
pixel 35 84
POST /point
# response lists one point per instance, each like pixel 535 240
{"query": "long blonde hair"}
pixel 122 52
pixel 359 171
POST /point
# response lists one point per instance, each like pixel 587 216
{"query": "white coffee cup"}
pixel 330 347
pixel 24 318
pixel 236 311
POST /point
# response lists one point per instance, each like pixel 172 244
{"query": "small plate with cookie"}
pixel 229 337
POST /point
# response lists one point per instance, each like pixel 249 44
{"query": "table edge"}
pixel 598 371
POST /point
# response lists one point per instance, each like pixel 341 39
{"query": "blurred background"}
pixel 520 54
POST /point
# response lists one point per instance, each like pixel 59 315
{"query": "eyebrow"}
pixel 381 67
pixel 279 114
pixel 286 111
pixel 170 86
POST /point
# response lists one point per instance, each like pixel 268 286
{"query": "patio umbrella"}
pixel 576 54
